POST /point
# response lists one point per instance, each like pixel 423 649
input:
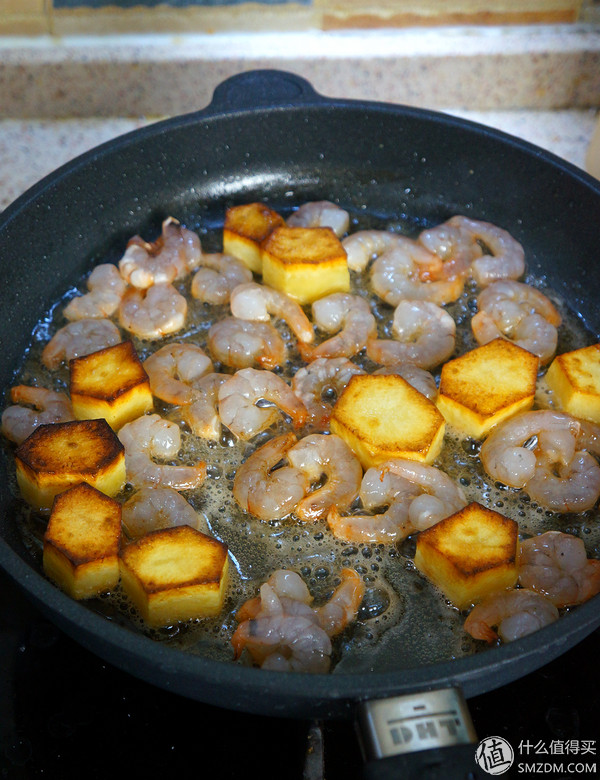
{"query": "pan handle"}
pixel 418 737
pixel 260 89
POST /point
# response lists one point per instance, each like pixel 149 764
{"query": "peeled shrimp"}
pixel 217 276
pixel 254 301
pixel 349 317
pixel 519 313
pixel 416 495
pixel 152 508
pixel 556 565
pixel 321 213
pixel 453 246
pixel 515 613
pixel 21 420
pixel 238 402
pixel 174 254
pixel 265 491
pixel 153 312
pixel 321 456
pixel 319 384
pixel 342 607
pixel 78 338
pixel 174 370
pixel 106 289
pixel 242 344
pixel 424 334
pixel 544 452
pixel 419 378
pixel 151 436
pixel 202 414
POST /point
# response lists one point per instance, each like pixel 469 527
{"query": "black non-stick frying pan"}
pixel 268 135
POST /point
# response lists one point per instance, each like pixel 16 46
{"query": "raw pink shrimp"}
pixel 416 495
pixel 321 213
pixel 424 334
pixel 556 565
pixel 202 415
pixel 349 317
pixel 319 384
pixel 242 344
pixel 520 313
pixel 217 276
pixel 106 289
pixel 253 301
pixel 153 312
pixel 419 378
pixel 321 456
pixel 342 607
pixel 265 491
pixel 239 397
pixel 151 508
pixel 149 437
pixel 544 452
pixel 78 338
pixel 174 254
pixel 515 613
pixel 453 246
pixel 34 406
pixel 174 370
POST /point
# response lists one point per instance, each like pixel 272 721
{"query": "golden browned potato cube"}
pixel 574 378
pixel 175 574
pixel 382 417
pixel 110 383
pixel 487 385
pixel 470 554
pixel 246 227
pixel 59 455
pixel 305 263
pixel 82 540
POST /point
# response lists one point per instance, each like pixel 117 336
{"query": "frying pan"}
pixel 268 135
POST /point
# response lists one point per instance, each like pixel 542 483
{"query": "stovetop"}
pixel 66 714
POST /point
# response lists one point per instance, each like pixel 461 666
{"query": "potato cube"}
pixel 175 574
pixel 486 386
pixel 82 540
pixel 305 263
pixel 574 378
pixel 246 227
pixel 110 383
pixel 383 416
pixel 58 455
pixel 470 554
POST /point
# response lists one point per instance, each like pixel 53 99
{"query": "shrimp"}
pixel 556 565
pixel 19 421
pixel 515 613
pixel 419 378
pixel 424 334
pixel 242 344
pixel 366 245
pixel 505 258
pixel 153 312
pixel 254 301
pixel 520 313
pixel 282 631
pixel 321 213
pixel 217 276
pixel 238 402
pixel 106 289
pixel 417 496
pixel 321 455
pixel 544 453
pixel 265 491
pixel 152 508
pixel 319 384
pixel 78 338
pixel 453 245
pixel 349 317
pixel 174 370
pixel 174 254
pixel 202 414
pixel 151 436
